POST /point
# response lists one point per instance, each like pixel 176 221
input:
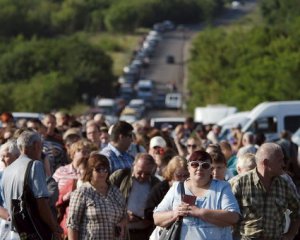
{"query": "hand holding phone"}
pixel 189 199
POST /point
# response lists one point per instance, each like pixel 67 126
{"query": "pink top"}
pixel 63 175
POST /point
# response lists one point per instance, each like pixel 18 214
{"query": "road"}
pixel 178 43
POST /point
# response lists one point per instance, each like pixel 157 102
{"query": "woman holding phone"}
pixel 208 208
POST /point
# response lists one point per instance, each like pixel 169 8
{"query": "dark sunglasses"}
pixel 191 145
pixel 101 170
pixel 204 165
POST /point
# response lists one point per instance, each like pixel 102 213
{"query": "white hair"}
pixel 27 139
pixel 246 161
pixel 11 147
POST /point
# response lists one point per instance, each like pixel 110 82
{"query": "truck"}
pixel 212 114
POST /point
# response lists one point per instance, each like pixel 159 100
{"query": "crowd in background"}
pixel 105 182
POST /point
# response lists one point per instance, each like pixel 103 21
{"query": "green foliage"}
pixel 126 15
pixel 245 67
pixel 46 69
pixel 44 93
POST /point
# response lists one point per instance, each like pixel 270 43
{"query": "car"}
pixel 173 121
pixel 168 25
pixel 139 106
pixel 129 115
pixel 235 4
pixel 170 59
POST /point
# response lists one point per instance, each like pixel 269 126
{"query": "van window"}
pixel 292 123
pixel 264 125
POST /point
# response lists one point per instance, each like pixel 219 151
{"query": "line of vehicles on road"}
pixel 133 86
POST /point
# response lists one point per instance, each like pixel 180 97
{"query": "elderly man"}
pixel 116 150
pixel 30 146
pixel 264 196
pixel 135 185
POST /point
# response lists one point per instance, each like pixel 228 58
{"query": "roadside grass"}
pixel 118 46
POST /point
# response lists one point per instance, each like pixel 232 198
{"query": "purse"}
pixel 25 217
pixel 173 231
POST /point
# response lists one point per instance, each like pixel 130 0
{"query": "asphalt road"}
pixel 178 43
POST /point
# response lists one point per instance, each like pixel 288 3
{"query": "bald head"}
pixel 268 151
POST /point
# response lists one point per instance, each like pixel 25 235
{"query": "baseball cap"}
pixel 157 141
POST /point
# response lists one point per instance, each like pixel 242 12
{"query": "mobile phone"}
pixel 189 199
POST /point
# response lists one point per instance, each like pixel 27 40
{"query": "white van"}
pixel 173 100
pixel 271 118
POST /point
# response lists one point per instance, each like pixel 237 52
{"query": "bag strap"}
pixel 26 177
pixel 182 191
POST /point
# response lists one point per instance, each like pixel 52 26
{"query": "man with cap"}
pixel 157 149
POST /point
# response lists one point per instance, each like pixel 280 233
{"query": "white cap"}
pixel 157 141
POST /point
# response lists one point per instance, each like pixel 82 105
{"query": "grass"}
pixel 118 46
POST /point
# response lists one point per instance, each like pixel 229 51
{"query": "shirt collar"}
pixel 255 176
pixel 115 150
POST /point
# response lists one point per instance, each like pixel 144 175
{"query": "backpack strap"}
pixel 182 191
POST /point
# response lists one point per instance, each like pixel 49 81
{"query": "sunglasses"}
pixel 101 170
pixel 204 165
pixel 191 145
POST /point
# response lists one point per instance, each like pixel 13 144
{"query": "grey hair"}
pixel 247 161
pixel 11 147
pixel 27 139
pixel 267 151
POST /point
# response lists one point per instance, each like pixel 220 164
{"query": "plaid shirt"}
pixel 263 211
pixel 93 215
pixel 117 160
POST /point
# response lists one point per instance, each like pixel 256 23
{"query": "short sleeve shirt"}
pixel 219 196
pixel 13 180
pixel 94 215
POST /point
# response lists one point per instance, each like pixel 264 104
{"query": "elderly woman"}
pixel 210 209
pixel 176 170
pixel 9 152
pixel 97 208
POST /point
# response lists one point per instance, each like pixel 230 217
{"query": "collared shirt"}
pixel 63 175
pixel 94 215
pixel 263 211
pixel 117 160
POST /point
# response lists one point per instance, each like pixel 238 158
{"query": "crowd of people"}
pixel 96 181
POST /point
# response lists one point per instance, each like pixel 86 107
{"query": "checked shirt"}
pixel 263 211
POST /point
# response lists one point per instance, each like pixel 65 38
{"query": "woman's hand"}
pixel 182 210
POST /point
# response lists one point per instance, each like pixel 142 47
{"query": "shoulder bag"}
pixel 173 231
pixel 25 216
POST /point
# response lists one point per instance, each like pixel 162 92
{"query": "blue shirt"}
pixel 117 160
pixel 218 196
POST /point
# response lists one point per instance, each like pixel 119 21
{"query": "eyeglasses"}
pixel 101 170
pixel 191 145
pixel 204 165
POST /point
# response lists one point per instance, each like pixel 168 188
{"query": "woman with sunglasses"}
pixel 208 207
pixel 97 208
pixel 193 144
